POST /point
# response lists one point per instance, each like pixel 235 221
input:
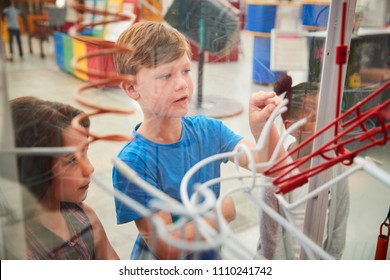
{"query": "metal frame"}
pixel 12 241
pixel 315 218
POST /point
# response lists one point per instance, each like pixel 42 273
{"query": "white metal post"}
pixel 316 209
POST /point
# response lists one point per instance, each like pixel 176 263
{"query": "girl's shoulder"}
pixel 70 206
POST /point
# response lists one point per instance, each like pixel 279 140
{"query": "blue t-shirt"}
pixel 164 165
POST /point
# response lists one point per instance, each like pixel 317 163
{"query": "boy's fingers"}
pixel 262 99
pixel 263 114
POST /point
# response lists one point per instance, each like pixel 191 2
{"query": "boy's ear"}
pixel 128 88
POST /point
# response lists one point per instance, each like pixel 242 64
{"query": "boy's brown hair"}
pixel 152 44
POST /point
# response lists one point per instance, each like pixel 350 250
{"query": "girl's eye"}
pixel 73 161
pixel 187 71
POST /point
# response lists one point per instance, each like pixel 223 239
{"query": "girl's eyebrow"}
pixel 69 155
pixel 84 148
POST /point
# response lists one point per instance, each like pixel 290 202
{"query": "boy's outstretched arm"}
pixel 261 105
pixel 163 250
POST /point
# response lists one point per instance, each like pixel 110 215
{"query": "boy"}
pixel 168 143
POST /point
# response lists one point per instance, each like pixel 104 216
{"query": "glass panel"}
pixel 231 59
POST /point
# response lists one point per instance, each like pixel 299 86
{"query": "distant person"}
pixel 276 242
pixel 11 15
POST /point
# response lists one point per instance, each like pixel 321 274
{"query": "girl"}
pixel 58 224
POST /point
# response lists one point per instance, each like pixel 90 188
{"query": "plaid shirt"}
pixel 45 245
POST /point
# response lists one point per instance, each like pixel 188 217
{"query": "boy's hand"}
pixel 261 105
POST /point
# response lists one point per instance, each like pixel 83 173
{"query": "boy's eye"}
pixel 187 71
pixel 165 77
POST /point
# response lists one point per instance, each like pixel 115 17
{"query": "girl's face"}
pixel 72 172
pixel 165 91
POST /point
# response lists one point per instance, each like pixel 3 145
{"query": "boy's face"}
pixel 72 172
pixel 165 91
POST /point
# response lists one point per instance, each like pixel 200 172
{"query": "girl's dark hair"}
pixel 39 123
